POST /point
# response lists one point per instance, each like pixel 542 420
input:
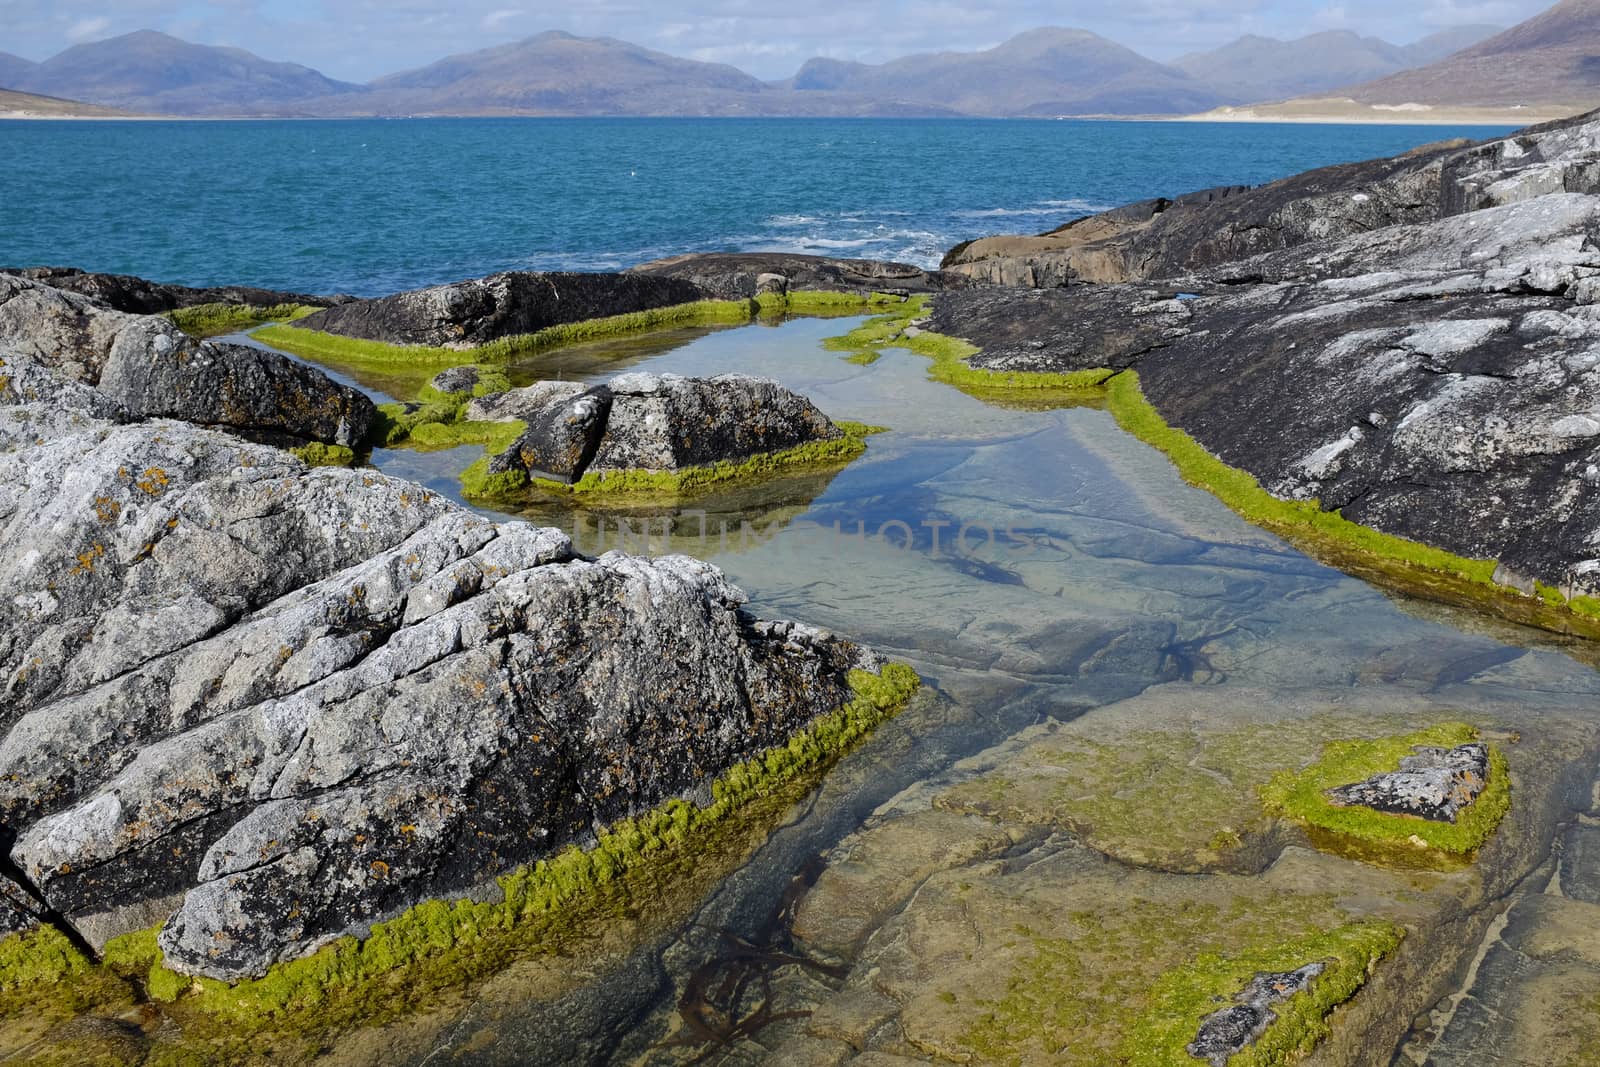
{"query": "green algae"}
pixel 1329 536
pixel 315 344
pixel 544 907
pixel 213 320
pixel 642 485
pixel 45 976
pixel 1185 996
pixel 1118 986
pixel 949 357
pixel 318 454
pixel 1302 795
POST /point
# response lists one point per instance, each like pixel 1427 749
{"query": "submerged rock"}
pixel 1435 784
pixel 474 312
pixel 660 423
pixel 148 366
pixel 231 681
pixel 1226 1033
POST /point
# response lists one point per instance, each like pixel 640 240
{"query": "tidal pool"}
pixel 1069 812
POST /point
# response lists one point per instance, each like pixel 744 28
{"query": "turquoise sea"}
pixel 366 207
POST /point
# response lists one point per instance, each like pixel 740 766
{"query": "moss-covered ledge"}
pixel 213 320
pixel 1410 566
pixel 1384 559
pixel 950 354
pixel 318 345
pixel 545 907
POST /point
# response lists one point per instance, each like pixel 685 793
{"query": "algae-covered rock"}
pixel 232 682
pixel 653 424
pixel 480 310
pixel 1434 783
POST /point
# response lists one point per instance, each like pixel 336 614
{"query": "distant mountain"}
pixel 1553 58
pixel 13 69
pixel 1043 72
pixel 560 74
pixel 1253 69
pixel 1437 46
pixel 152 72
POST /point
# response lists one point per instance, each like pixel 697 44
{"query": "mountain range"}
pixel 1044 72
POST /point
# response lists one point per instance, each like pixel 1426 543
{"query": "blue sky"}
pixel 360 39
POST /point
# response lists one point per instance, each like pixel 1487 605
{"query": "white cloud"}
pixel 495 19
pixel 88 29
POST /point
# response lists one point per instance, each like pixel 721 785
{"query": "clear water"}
pixel 368 207
pixel 1032 565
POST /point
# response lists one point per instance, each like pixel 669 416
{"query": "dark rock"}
pixel 459 381
pixel 1435 784
pixel 1434 381
pixel 742 275
pixel 475 312
pixel 562 437
pixel 1165 239
pixel 1226 1033
pixel 664 422
pixel 231 680
pixel 123 292
pixel 151 368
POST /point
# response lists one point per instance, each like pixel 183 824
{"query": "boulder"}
pixel 124 292
pixel 523 403
pixel 743 275
pixel 151 368
pixel 1228 1032
pixel 232 680
pixel 650 422
pixel 474 312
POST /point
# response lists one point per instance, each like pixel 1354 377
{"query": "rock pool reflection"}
pixel 1116 665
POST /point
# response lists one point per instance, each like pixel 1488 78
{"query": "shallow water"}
pixel 1036 566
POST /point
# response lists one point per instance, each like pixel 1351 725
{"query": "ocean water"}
pixel 368 207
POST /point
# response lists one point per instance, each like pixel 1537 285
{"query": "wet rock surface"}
pixel 124 292
pixel 1429 371
pixel 480 310
pixel 1226 1033
pixel 151 368
pixel 743 275
pixel 648 422
pixel 1435 784
pixel 232 681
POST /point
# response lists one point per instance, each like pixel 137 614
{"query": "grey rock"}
pixel 475 312
pixel 458 381
pixel 123 292
pixel 659 423
pixel 1225 1033
pixel 152 368
pixel 231 680
pixel 1436 784
pixel 521 404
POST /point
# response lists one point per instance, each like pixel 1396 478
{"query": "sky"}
pixel 357 40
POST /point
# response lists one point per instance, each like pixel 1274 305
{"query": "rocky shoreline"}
pixel 273 727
